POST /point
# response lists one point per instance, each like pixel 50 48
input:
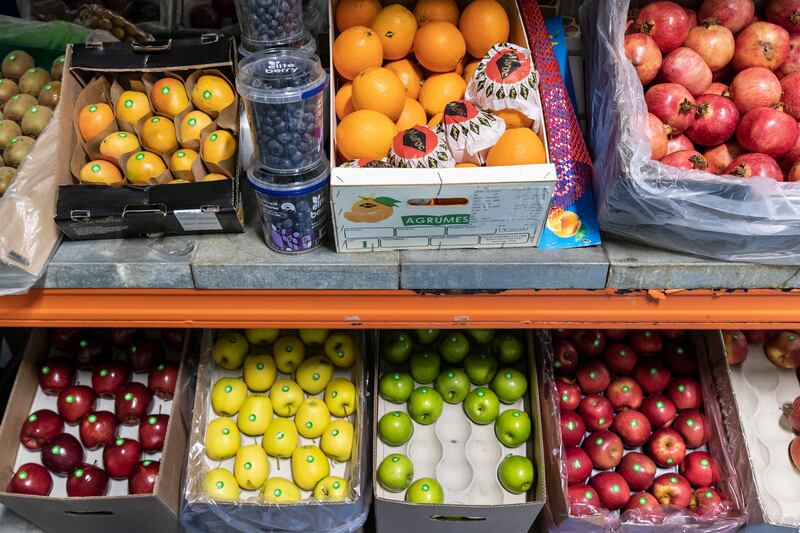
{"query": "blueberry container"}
pixel 306 42
pixel 269 23
pixel 283 91
pixel 294 207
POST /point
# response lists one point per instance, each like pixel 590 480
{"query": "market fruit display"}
pixel 281 410
pixel 442 393
pixel 723 84
pixel 107 419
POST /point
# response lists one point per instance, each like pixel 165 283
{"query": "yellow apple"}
pixel 286 396
pixel 340 397
pixel 332 489
pixel 261 336
pixel 337 441
pixel 309 466
pixel 312 418
pixel 281 438
pixel 228 395
pixel 279 490
pixel 230 350
pixel 314 374
pixel 222 439
pixel 251 467
pixel 259 372
pixel 314 336
pixel 341 349
pixel 255 415
pixel 288 352
pixel 220 485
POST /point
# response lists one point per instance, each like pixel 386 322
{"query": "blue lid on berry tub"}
pixel 266 181
pixel 280 76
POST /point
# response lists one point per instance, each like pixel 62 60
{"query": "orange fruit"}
pixel 379 89
pixel 344 100
pixel 518 146
pixel 412 115
pixel 484 23
pixel 439 46
pixel 131 106
pixel 218 146
pixel 469 70
pixel 169 97
pixel 214 176
pixel 192 124
pixel 365 134
pixel 351 13
pixel 396 27
pixel 142 167
pixel 466 165
pixel 93 119
pixel 441 89
pixel 212 94
pixel 433 122
pixel 181 160
pixel 410 76
pixel 158 135
pixel 116 144
pixel 101 172
pixel 514 119
pixel 436 11
pixel 355 49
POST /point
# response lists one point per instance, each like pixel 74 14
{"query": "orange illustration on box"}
pixel 371 210
pixel 564 224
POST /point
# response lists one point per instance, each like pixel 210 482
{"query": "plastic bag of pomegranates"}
pixel 635 434
pixel 694 124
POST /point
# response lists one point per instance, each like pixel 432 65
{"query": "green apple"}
pixel 508 348
pixel 481 368
pixel 311 419
pixel 251 467
pixel 332 489
pixel 337 441
pixel 481 336
pixel 259 372
pixel 425 490
pixel 314 374
pixel 510 385
pixel 230 350
pixel 309 466
pixel 512 428
pixel 341 349
pixel 312 337
pixel 286 396
pixel 255 415
pixel 220 485
pixel 279 490
pixel 222 439
pixel 482 406
pixel 395 428
pixel 261 336
pixel 395 472
pixel 340 397
pixel 425 366
pixel 516 474
pixel 396 347
pixel 288 352
pixel 453 348
pixel 425 405
pixel 426 337
pixel 453 385
pixel 281 438
pixel 396 387
pixel 228 395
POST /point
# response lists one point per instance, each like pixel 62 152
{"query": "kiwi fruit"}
pixel 35 120
pixel 17 105
pixel 6 176
pixel 33 80
pixel 57 70
pixel 17 149
pixel 50 94
pixel 8 129
pixel 16 63
pixel 8 88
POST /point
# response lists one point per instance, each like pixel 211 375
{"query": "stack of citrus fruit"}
pixel 399 68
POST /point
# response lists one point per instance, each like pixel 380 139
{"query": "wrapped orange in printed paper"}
pixel 366 163
pixel 420 147
pixel 469 131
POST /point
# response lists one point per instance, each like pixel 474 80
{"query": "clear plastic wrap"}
pixel 734 219
pixel 675 519
pixel 199 513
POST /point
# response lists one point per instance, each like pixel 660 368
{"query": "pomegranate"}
pixel 720 157
pixel 692 14
pixel 755 165
pixel 666 22
pixel 643 52
pixel 767 130
pixel 714 122
pixel 686 160
pixel 679 142
pixel 791 94
pixel 733 14
pixel 761 44
pixel 792 157
pixel 658 136
pixel 792 63
pixel 714 43
pixel 686 67
pixel 719 89
pixel 672 104
pixel 794 173
pixel 785 13
pixel 755 87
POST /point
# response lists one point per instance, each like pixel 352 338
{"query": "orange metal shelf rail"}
pixel 369 309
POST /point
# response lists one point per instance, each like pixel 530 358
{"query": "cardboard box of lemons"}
pixel 132 106
pixel 280 438
pixel 262 336
pixel 314 337
pixel 212 94
pixel 219 146
pixel 158 135
pixel 341 349
pixel 115 145
pixel 259 372
pixel 190 127
pixel 255 415
pixel 314 374
pixel 371 210
pixel 222 439
pixel 251 467
pixel 279 490
pixel 220 485
pixel 286 396
pixel 142 167
pixel 228 395
pixel 340 397
pixel 309 467
pixel 180 163
pixel 337 440
pixel 312 418
pixel 230 349
pixel 94 119
pixel 169 97
pixel 101 172
pixel 332 489
pixel 288 352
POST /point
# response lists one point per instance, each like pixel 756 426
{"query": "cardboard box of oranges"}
pixel 149 139
pixel 397 70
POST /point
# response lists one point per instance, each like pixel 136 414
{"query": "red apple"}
pixel 64 338
pixel 153 432
pixel 673 334
pixel 632 427
pixel 672 489
pixel 569 394
pixel 644 506
pixel 794 452
pixel 31 479
pixel 120 457
pixel 604 448
pixel 652 375
pixel 692 427
pixel 163 379
pixel 707 502
pixel 680 359
pixel 596 412
pixel 565 357
pixel 174 338
pixel 589 342
pixel 685 393
pixel 612 489
pixel 56 374
pixel 784 349
pixel 63 454
pixel 625 393
pixel 583 500
pixel 145 354
pixel 560 333
pixel 39 428
pixel 616 335
pixel 659 410
pixel 572 428
pixel 645 341
pixel 757 336
pixel 132 403
pixel 90 350
pixel 108 378
pixel 143 478
pixel 121 338
pixel 578 465
pixel 87 481
pixel 666 447
pixel 74 402
pixel 619 358
pixel 98 429
pixel 638 470
pixel 593 377
pixel 700 469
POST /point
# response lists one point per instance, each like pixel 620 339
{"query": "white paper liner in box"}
pixel 469 131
